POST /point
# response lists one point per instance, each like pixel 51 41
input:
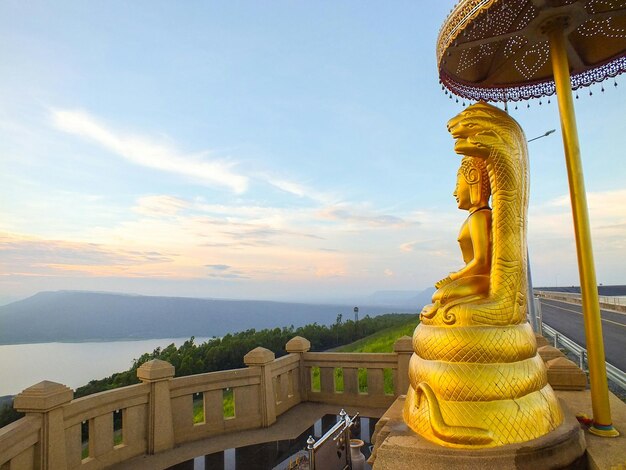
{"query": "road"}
pixel 567 318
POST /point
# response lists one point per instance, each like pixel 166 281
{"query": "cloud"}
pixel 434 246
pixel 224 271
pixel 552 245
pixel 256 233
pixel 35 256
pixel 145 151
pixel 297 189
pixel 360 218
pixel 388 272
pixel 218 267
pixel 289 187
pixel 238 245
pixel 158 206
pixel 330 272
pixel 411 246
pixel 554 217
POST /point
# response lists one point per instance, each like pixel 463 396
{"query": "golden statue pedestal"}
pixel 397 447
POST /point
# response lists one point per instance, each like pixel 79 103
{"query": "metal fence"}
pixel 613 373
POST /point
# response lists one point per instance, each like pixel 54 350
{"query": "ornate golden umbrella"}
pixel 511 50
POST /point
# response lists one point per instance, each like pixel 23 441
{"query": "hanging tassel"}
pixel 457 100
pixel 576 95
pixel 602 89
pixel 528 105
pixel 539 102
pixel 590 93
pixel 464 104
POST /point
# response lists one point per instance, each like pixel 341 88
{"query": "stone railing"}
pixel 100 430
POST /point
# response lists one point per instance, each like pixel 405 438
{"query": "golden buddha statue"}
pixel 472 194
pixel 476 378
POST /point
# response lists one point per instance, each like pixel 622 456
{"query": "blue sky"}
pixel 275 150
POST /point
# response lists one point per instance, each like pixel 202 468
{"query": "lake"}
pixel 72 364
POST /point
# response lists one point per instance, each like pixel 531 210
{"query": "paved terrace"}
pixel 273 399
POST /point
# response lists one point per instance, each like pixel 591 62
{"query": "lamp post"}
pixel 534 319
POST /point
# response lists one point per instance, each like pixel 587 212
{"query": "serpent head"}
pixel 481 128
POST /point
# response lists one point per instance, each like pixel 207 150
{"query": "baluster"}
pixel 327 379
pixel 375 382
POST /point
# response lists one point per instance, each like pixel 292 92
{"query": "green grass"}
pixel 228 403
pixel 380 342
pixel 198 410
pixel 228 406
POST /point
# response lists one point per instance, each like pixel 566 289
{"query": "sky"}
pixel 277 150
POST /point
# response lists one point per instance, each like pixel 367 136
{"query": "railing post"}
pixel 158 374
pixel 403 347
pixel 46 399
pixel 262 358
pixel 299 345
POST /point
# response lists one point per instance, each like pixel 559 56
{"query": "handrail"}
pixel 339 432
pixel 614 374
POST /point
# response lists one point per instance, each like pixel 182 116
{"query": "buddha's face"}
pixel 462 193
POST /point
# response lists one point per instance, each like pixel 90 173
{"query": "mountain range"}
pixel 74 316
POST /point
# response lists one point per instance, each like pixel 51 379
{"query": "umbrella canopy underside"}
pixel 497 50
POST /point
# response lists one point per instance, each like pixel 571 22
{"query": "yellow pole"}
pixel 602 423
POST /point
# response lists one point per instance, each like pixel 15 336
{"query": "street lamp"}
pixel 542 135
pixel 535 321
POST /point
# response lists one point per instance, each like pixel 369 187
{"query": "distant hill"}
pixel 83 316
pixel 6 400
pixel 404 298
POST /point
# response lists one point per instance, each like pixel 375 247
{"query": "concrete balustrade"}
pixel 372 365
pixel 158 414
pixel 96 411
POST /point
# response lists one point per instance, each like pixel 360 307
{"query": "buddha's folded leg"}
pixel 462 287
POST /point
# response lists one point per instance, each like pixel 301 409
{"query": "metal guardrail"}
pixel 568 344
pixel 606 301
pixel 613 299
pixel 613 373
pixel 616 375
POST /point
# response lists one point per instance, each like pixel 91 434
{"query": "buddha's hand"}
pixel 443 282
